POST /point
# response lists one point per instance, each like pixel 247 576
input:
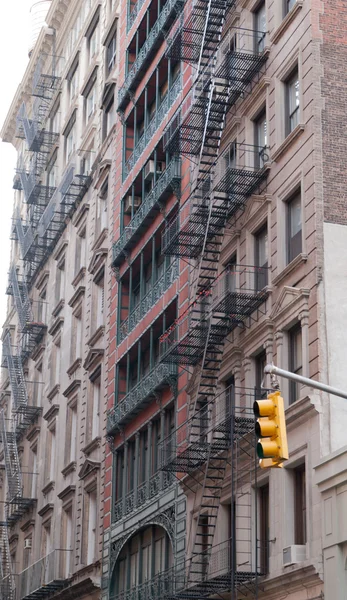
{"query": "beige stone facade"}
pixel 52 485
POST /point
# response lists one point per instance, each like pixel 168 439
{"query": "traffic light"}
pixel 270 429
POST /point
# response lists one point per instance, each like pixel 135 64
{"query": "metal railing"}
pixel 145 492
pixel 133 14
pixel 160 375
pixel 149 45
pixel 171 173
pixel 149 300
pixel 158 587
pixel 153 125
pixel 50 572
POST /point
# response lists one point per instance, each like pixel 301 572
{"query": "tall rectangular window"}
pixel 80 252
pixel 71 434
pixel 260 130
pixel 111 53
pixel 101 208
pixel 264 528
pixel 260 28
pixel 90 102
pixel 70 140
pixel 261 259
pixel 300 505
pixel 73 84
pixel 93 43
pixel 91 523
pixel 109 116
pixel 295 360
pixel 292 101
pixel 260 362
pixel 294 227
pixel 287 6
pixel 59 282
pixel 99 295
pixel 94 405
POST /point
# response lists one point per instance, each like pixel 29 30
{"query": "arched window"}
pixel 147 554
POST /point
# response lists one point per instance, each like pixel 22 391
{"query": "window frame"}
pixel 300 505
pixel 291 252
pixel 292 116
pixel 292 361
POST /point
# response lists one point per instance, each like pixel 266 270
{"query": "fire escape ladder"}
pixel 208 510
pixel 12 465
pixel 15 369
pixel 7 583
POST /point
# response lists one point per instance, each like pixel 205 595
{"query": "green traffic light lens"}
pixel 260 450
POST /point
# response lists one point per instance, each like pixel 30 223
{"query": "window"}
pixel 67 539
pixel 260 362
pixel 109 116
pixel 292 102
pixel 100 301
pixel 295 360
pixel 71 433
pixel 59 282
pixel 91 522
pixel 94 405
pixel 294 227
pixel 55 363
pixel 77 328
pixel 230 156
pixel 101 208
pixel 300 505
pixel 288 5
pixel 33 468
pixel 50 455
pixel 261 259
pixel 54 122
pixel 264 528
pixel 93 43
pixel 260 28
pixel 27 551
pixel 80 252
pixel 52 174
pixel 90 102
pixel 87 161
pixel 73 84
pixel 260 130
pixel 111 53
pixel 70 142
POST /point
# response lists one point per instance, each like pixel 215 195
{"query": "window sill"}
pixel 296 262
pixel 286 21
pixel 288 141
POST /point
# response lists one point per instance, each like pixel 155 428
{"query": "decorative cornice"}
pixel 56 325
pixel 95 443
pixel 94 358
pixel 49 507
pixel 79 293
pixel 96 336
pixel 72 388
pixel 88 467
pixel 288 142
pixel 51 412
pixel 298 260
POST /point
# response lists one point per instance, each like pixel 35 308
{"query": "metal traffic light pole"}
pixel 272 370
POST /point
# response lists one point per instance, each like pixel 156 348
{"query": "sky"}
pixel 14 41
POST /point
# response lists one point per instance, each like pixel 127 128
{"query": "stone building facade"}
pixel 62 124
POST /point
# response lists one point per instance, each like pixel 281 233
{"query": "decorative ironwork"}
pixel 146 492
pixel 160 376
pixel 149 300
pixel 153 125
pixel 170 178
pixel 162 24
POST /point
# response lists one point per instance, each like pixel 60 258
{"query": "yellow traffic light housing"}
pixel 270 429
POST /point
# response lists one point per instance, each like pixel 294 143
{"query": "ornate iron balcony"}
pixel 150 299
pixel 45 577
pixel 153 125
pixel 160 376
pixel 158 587
pixel 133 14
pixel 147 491
pixel 157 33
pixel 170 178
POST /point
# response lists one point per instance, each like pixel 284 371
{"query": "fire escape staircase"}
pixel 16 503
pixel 7 583
pixel 31 326
pixel 24 413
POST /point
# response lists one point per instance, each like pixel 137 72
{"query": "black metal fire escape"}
pixel 24 414
pixel 7 582
pixel 32 326
pixel 217 304
pixel 16 503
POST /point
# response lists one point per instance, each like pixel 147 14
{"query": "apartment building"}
pixel 228 246
pixel 62 124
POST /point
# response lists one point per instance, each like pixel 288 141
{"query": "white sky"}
pixel 14 37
